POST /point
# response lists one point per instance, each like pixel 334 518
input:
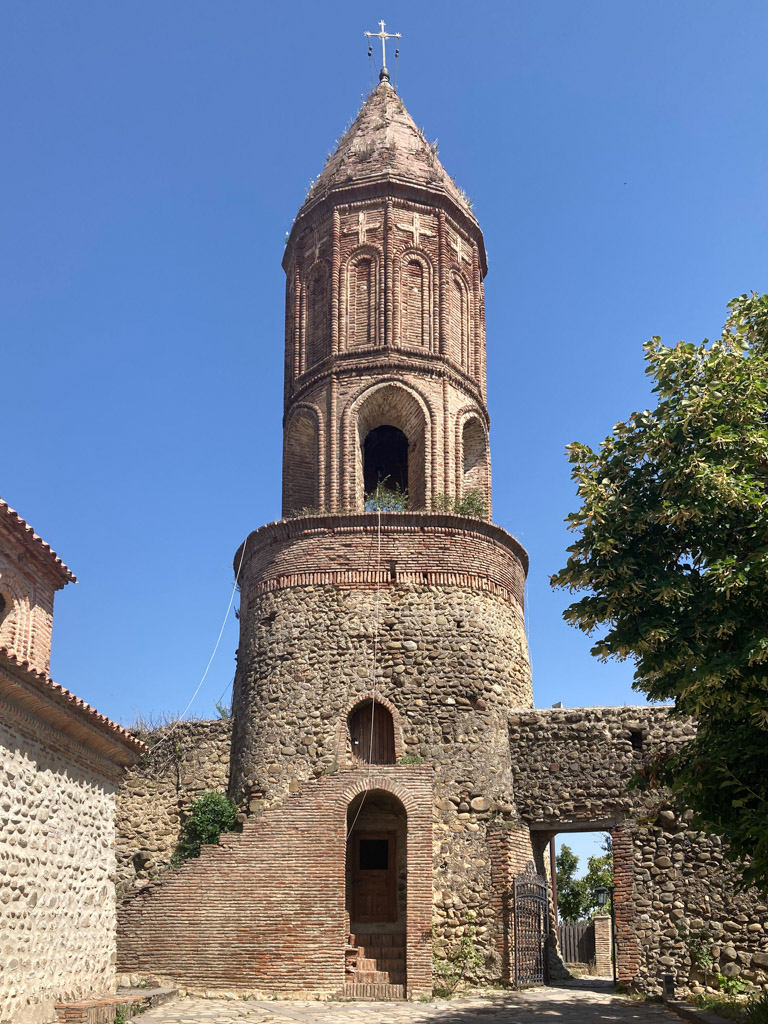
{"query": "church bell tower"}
pixel 385 327
pixel 382 643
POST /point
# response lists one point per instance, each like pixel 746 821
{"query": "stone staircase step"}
pixel 378 963
pixel 102 1009
pixel 354 990
pixel 371 978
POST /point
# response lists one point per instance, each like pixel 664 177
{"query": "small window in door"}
pixel 374 854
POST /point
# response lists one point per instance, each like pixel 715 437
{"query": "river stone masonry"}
pixel 675 889
pixel 184 761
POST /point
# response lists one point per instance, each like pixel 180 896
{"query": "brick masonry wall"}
pixel 573 766
pixel 57 898
pixel 331 415
pixel 603 946
pixel 27 619
pixel 431 550
pixel 451 664
pixel 185 761
pixel 265 910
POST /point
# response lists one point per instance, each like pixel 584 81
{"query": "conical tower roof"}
pixel 384 144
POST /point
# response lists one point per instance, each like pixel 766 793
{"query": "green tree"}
pixel 672 552
pixel 577 897
pixel 209 816
pixel 599 875
pixel 571 891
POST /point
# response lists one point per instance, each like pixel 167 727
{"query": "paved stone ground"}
pixel 575 1005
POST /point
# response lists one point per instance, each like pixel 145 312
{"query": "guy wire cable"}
pixel 375 659
pixel 213 655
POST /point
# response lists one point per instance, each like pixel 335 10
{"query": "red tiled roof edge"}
pixel 67 697
pixel 22 526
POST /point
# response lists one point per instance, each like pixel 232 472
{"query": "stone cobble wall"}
pixel 185 761
pixel 685 896
pixel 265 910
pixel 450 662
pixel 576 763
pixel 674 888
pixel 57 900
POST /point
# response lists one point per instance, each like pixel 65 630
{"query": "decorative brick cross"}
pixel 362 227
pixel 415 229
pixel 315 250
pixel 459 250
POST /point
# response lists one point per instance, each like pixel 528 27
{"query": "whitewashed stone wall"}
pixel 57 900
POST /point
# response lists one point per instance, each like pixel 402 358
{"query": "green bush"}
pixel 386 499
pixel 209 816
pixel 472 504
pixel 756 1010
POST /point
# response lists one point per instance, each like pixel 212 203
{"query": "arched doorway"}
pixel 376 863
pixel 392 444
pixel 376 892
pixel 372 733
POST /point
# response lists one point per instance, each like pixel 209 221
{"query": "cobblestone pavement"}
pixel 534 1006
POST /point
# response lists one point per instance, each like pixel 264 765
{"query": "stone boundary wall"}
pixel 264 911
pixel 57 907
pixel 184 762
pixel 673 884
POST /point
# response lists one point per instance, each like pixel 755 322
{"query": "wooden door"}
pixel 374 877
pixel 372 733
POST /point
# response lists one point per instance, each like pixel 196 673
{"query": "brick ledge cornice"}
pixel 391 523
pixel 386 360
pixel 384 186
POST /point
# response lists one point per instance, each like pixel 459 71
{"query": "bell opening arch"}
pixel 400 450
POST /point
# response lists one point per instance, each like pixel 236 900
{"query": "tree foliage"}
pixel 672 552
pixel 577 897
pixel 209 816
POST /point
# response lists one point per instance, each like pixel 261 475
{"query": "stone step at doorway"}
pixel 375 967
pixel 103 1009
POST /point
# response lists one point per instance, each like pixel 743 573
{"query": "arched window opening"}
pixel 475 449
pixel 459 322
pixel 362 300
pixel 318 315
pixel 400 451
pixel 385 459
pixel 300 465
pixel 6 621
pixel 372 733
pixel 413 293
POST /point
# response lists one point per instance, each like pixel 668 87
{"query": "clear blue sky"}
pixel 154 157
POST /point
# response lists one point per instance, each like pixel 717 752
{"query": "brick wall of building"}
pixel 265 910
pixel 431 550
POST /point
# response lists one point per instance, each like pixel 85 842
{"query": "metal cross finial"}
pixel 383 36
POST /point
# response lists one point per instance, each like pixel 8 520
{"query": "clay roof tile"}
pixel 384 143
pixel 61 695
pixel 22 527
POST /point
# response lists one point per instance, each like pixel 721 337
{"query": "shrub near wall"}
pixel 155 795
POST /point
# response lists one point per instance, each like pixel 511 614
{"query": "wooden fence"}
pixel 577 941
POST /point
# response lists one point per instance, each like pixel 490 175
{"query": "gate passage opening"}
pixel 385 459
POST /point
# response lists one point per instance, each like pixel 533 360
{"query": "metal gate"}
pixel 531 927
